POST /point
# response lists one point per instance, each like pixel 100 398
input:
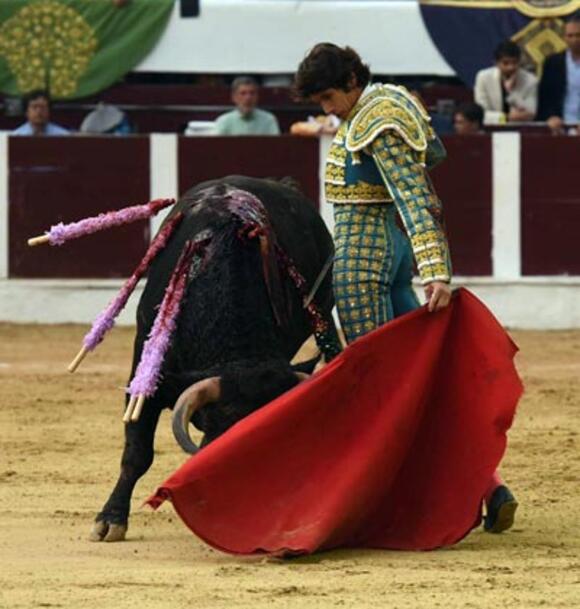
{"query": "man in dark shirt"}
pixel 559 102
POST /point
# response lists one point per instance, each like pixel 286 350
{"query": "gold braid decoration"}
pixel 361 192
pixel 389 108
pixel 47 45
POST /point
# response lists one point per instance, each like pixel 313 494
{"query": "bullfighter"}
pixel 376 178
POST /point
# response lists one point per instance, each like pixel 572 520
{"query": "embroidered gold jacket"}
pixel 380 155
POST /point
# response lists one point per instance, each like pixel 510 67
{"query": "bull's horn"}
pixel 194 397
pixel 301 376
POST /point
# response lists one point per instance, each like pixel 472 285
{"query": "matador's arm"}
pixel 418 205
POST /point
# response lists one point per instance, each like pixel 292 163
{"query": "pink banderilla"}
pixel 146 376
pixel 60 233
pixel 106 320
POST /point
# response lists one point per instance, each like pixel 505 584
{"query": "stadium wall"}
pixel 512 212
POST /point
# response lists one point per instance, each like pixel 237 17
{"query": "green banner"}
pixel 75 48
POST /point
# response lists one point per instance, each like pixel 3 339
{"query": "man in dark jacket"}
pixel 559 94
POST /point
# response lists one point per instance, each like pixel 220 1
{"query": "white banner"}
pixel 272 36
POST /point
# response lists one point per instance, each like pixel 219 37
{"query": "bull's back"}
pixel 298 227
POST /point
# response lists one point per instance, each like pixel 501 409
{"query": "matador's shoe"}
pixel 501 510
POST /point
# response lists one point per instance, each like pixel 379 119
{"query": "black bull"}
pixel 233 323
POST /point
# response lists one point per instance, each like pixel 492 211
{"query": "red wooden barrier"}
pixel 550 205
pixel 203 159
pixel 65 179
pixel 464 184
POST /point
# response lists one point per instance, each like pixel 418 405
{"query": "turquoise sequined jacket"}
pixel 380 154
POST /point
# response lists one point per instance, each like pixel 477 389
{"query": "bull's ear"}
pixel 307 366
pixel 291 182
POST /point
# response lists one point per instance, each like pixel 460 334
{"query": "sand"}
pixel 60 447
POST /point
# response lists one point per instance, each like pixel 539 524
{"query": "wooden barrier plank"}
pixel 464 183
pixel 63 179
pixel 550 205
pixel 207 158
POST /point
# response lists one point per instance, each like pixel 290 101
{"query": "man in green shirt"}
pixel 246 119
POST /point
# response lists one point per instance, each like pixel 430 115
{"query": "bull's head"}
pixel 192 399
pixel 234 395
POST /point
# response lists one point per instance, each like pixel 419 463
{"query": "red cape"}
pixel 392 445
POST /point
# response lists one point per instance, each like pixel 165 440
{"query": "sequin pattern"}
pixel 361 268
pixel 419 207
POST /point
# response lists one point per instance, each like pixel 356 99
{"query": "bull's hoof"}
pixel 103 531
pixel 99 531
pixel 116 532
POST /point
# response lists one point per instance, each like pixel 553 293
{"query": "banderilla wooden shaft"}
pixel 41 240
pixel 129 410
pixel 138 409
pixel 78 359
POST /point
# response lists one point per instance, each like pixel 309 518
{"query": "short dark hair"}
pixel 328 66
pixel 508 48
pixel 36 94
pixel 473 112
pixel 240 81
pixel 574 18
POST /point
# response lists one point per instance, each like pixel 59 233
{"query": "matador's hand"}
pixel 438 295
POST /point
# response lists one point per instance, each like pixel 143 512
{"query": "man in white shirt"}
pixel 506 91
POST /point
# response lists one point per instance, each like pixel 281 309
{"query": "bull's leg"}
pixel 112 522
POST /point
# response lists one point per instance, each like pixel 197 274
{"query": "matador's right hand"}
pixel 438 295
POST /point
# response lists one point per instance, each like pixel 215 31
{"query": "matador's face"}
pixel 337 101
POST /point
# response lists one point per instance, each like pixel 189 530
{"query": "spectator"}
pixel 246 119
pixel 505 91
pixel 106 119
pixel 316 125
pixel 468 119
pixel 560 85
pixel 37 106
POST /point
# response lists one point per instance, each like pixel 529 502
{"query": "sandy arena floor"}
pixel 59 452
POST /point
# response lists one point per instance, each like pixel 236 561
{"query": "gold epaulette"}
pixel 391 108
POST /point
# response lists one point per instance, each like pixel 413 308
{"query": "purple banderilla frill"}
pixel 147 374
pixel 60 233
pixel 106 320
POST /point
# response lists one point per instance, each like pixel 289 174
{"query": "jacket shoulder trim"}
pixel 394 110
